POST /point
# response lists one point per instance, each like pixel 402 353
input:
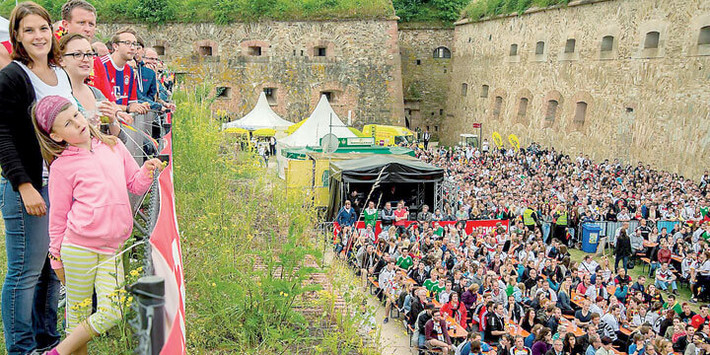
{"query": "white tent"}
pixel 4 28
pixel 322 121
pixel 262 116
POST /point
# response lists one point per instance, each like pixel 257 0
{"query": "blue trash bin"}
pixel 590 238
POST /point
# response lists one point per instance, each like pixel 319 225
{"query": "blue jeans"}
pixel 30 293
pixel 624 261
pixel 663 285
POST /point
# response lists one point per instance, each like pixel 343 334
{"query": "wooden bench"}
pixel 373 285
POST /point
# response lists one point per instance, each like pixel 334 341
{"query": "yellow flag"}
pixel 514 142
pixel 497 139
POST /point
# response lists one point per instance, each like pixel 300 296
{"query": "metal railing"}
pixel 143 139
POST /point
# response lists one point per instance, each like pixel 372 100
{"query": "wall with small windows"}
pixel 426 53
pixel 294 63
pixel 610 78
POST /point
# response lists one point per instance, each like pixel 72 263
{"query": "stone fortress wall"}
pixel 609 78
pixel 356 63
pixel 426 65
pixel 622 78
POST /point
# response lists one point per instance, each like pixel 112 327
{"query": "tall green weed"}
pixel 245 244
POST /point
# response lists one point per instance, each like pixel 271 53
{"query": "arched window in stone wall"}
pixel 464 89
pixel 704 36
pixel 652 40
pixel 484 91
pixel 497 107
pixel 570 45
pixel 513 50
pixel 522 109
pixel 607 44
pixel 442 52
pixel 540 48
pixel 580 113
pixel 551 111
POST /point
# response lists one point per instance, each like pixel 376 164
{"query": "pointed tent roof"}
pixel 4 26
pixel 317 126
pixel 262 116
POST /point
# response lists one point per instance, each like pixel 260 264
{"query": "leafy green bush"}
pixel 478 9
pixel 429 10
pixel 222 11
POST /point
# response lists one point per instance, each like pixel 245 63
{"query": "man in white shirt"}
pixel 385 282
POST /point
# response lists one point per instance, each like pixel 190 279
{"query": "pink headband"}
pixel 47 109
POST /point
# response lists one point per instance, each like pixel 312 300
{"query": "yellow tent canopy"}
pixel 234 130
pixel 293 128
pixel 264 132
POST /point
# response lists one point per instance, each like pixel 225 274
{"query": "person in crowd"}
pixel 30 287
pixel 594 344
pixel 622 250
pixel 455 309
pixel 505 344
pixel 387 216
pixel 542 342
pixel 73 148
pixel 665 278
pixel 369 215
pixel 520 348
pixel 121 76
pixel 346 216
pixel 388 287
pixel 557 348
pixel 436 333
pixel 80 17
pixel 101 49
pixel 606 348
pixel 77 56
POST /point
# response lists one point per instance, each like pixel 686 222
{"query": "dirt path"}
pixel 394 339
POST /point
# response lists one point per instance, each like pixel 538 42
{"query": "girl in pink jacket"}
pixel 90 216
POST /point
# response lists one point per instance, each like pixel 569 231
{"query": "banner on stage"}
pixel 487 225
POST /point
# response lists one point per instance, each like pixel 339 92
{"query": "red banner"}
pixel 487 225
pixel 167 259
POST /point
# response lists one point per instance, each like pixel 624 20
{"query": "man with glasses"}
pixel 154 63
pixel 120 75
pixel 147 82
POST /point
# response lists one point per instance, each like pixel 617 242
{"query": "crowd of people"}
pixel 517 290
pixel 66 173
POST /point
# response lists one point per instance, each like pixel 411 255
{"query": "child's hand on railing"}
pixel 153 165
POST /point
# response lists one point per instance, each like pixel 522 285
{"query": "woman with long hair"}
pixel 542 342
pixel 30 293
pixel 76 58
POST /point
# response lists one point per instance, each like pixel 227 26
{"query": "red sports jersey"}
pixel 122 80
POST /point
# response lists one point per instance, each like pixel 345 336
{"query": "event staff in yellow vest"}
pixel 559 218
pixel 530 218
